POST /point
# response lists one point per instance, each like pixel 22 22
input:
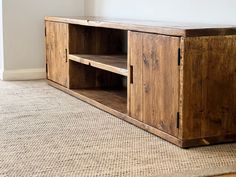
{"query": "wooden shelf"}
pixel 115 99
pixel 113 63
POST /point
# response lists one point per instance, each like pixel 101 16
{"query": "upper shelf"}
pixel 113 63
pixel 166 28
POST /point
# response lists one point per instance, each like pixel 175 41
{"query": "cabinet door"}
pixel 154 93
pixel 56 51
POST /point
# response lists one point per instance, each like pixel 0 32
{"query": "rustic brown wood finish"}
pixel 177 81
pixel 113 63
pixel 209 100
pixel 158 27
pixel 156 80
pixel 57 51
pixel 90 40
pixel 135 98
pixel 228 175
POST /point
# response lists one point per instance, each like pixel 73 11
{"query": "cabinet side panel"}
pixel 209 86
pixel 135 74
pixel 161 82
pixel 57 51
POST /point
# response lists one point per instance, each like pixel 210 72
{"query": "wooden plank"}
pixel 113 63
pixel 209 98
pixel 135 74
pixel 181 85
pixel 115 99
pixel 160 82
pixel 118 114
pixel 227 175
pixel 159 27
pixel 191 91
pixel 56 52
pixel 218 30
pixel 206 141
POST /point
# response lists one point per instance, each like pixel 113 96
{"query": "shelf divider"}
pixel 113 63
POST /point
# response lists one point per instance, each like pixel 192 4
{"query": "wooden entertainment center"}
pixel 177 81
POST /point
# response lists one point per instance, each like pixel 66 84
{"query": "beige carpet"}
pixel 44 132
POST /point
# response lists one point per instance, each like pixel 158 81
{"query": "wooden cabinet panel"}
pixel 154 93
pixel 57 52
pixel 209 105
pixel 161 82
pixel 135 76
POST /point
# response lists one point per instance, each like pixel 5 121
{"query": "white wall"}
pixel 200 11
pixel 23 25
pixel 23 29
pixel 1 42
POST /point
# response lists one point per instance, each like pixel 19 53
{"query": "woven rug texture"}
pixel 45 132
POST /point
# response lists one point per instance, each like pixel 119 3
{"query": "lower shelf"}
pixel 115 99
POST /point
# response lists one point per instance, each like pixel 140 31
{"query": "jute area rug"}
pixel 45 132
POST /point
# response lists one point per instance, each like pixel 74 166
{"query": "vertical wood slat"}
pixel 181 85
pixel 135 88
pixel 57 51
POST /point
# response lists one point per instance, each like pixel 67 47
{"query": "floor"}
pixel 45 132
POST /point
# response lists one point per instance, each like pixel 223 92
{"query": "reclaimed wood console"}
pixel 176 81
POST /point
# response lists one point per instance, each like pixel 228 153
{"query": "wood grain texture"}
pixel 56 52
pixel 115 99
pixel 96 41
pixel 113 63
pixel 154 93
pixel 227 175
pixel 209 91
pixel 161 82
pixel 219 139
pixel 181 86
pixel 135 98
pixel 159 27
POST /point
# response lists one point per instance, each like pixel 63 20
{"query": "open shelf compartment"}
pixel 99 47
pixel 98 65
pixel 107 88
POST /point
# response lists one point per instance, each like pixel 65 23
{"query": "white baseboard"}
pixel 24 74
